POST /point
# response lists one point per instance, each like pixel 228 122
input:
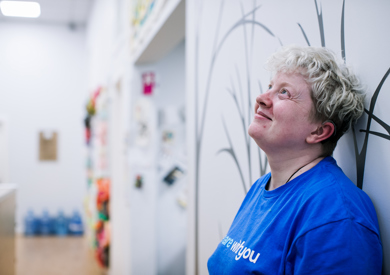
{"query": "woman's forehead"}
pixel 291 78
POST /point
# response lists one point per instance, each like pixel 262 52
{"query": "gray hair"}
pixel 336 92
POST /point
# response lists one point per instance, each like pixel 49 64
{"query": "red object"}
pixel 87 135
pixel 103 190
pixel 148 81
pixel 96 94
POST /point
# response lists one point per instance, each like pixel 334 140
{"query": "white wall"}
pixel 158 222
pixel 171 217
pixel 227 44
pixel 42 87
pixel 100 40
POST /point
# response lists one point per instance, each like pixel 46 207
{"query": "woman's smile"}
pixel 261 115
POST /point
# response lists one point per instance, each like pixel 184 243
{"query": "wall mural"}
pixel 361 156
pixel 241 93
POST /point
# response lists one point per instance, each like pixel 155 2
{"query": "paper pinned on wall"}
pixel 48 145
pixel 143 118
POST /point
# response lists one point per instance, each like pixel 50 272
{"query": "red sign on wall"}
pixel 148 82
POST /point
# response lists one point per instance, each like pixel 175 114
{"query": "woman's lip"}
pixel 262 115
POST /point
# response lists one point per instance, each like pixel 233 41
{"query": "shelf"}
pixel 161 34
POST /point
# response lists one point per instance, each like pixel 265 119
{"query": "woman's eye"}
pixel 284 93
pixel 269 87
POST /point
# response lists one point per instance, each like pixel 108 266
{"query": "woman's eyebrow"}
pixel 284 83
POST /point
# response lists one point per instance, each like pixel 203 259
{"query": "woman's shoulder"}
pixel 330 195
pixel 328 181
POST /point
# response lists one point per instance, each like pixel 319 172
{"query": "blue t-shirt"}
pixel 318 223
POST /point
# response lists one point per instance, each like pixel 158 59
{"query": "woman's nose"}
pixel 264 100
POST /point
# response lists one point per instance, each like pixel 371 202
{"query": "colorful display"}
pixel 97 201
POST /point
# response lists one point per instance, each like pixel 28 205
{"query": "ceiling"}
pixel 73 13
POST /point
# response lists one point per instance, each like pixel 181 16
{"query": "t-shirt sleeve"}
pixel 342 247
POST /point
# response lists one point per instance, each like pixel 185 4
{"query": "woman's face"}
pixel 282 114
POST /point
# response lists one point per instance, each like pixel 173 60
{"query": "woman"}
pixel 306 216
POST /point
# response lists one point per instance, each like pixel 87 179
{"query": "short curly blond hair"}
pixel 336 92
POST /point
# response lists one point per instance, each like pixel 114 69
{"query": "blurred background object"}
pixel 7 228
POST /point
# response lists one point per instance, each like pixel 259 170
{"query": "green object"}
pixel 102 216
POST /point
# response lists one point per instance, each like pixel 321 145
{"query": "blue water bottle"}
pixel 44 227
pixel 29 224
pixel 61 224
pixel 75 224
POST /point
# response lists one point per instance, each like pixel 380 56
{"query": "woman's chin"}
pixel 255 131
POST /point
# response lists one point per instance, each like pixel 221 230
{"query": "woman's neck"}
pixel 284 170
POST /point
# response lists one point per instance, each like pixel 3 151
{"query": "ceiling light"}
pixel 20 9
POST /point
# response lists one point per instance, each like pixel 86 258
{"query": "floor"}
pixel 55 256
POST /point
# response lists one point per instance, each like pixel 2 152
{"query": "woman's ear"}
pixel 323 132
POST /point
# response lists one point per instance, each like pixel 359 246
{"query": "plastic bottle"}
pixel 61 224
pixel 29 224
pixel 44 227
pixel 75 224
pixel 53 221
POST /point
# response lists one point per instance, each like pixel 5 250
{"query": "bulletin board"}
pixel 48 146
